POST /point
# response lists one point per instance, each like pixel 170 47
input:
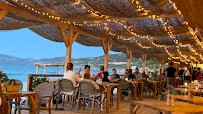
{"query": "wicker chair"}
pixel 125 87
pixel 45 93
pixel 66 87
pixel 14 82
pixel 172 90
pixel 88 90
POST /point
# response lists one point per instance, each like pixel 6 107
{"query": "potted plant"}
pixel 154 74
pixel 3 77
pixel 39 80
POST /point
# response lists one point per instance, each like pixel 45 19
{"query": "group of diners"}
pixel 104 75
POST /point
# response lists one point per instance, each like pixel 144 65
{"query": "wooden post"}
pixel 45 69
pixel 3 13
pixel 154 61
pixel 144 55
pixel 129 54
pixel 68 40
pixel 162 65
pixel 106 47
pixel 37 67
pixel 57 72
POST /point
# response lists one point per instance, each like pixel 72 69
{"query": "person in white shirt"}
pixel 69 74
pixel 87 74
pixel 187 75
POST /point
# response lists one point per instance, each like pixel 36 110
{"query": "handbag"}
pixel 12 89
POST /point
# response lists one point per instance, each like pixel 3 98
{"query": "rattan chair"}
pixel 14 82
pixel 66 87
pixel 45 94
pixel 125 87
pixel 172 90
pixel 88 90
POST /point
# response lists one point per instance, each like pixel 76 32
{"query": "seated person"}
pixel 144 75
pixel 105 79
pixel 137 74
pixel 100 75
pixel 131 76
pixel 87 74
pixel 69 74
pixel 114 75
pixel 125 75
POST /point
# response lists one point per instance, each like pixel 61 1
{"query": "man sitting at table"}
pixel 131 76
pixel 114 75
pixel 69 74
pixel 137 74
pixel 87 74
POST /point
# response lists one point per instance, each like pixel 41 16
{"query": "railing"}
pixel 31 76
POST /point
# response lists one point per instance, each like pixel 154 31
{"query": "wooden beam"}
pixel 75 36
pixel 3 13
pixel 154 65
pixel 144 55
pixel 162 65
pixel 106 47
pixel 129 54
pixel 65 38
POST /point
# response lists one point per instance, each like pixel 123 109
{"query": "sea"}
pixel 21 71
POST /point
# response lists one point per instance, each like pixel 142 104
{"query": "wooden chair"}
pixel 88 90
pixel 45 94
pixel 66 87
pixel 125 87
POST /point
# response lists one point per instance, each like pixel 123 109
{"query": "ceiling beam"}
pixel 3 13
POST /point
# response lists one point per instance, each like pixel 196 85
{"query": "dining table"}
pixel 155 83
pixel 136 85
pixel 109 86
pixel 33 98
pixel 186 91
pixel 195 99
pixel 163 107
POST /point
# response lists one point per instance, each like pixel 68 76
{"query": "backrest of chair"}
pixel 124 84
pixel 44 89
pixel 172 90
pixel 163 96
pixel 86 88
pixel 66 85
pixel 15 82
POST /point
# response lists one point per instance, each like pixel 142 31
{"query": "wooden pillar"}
pixel 129 54
pixel 57 70
pixel 154 65
pixel 45 69
pixel 106 47
pixel 68 40
pixel 3 13
pixel 144 55
pixel 162 65
pixel 37 67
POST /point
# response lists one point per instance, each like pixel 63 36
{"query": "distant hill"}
pixel 11 59
pixel 115 61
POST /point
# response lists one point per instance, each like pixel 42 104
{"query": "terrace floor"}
pixel 124 109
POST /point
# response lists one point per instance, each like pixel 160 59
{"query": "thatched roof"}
pixel 154 27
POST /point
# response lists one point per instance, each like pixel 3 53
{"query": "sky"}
pixel 24 43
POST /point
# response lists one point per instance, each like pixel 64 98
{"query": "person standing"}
pixel 187 75
pixel 170 74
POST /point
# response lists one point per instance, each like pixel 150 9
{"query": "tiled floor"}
pixel 124 109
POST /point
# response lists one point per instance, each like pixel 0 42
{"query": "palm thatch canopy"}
pixel 163 29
